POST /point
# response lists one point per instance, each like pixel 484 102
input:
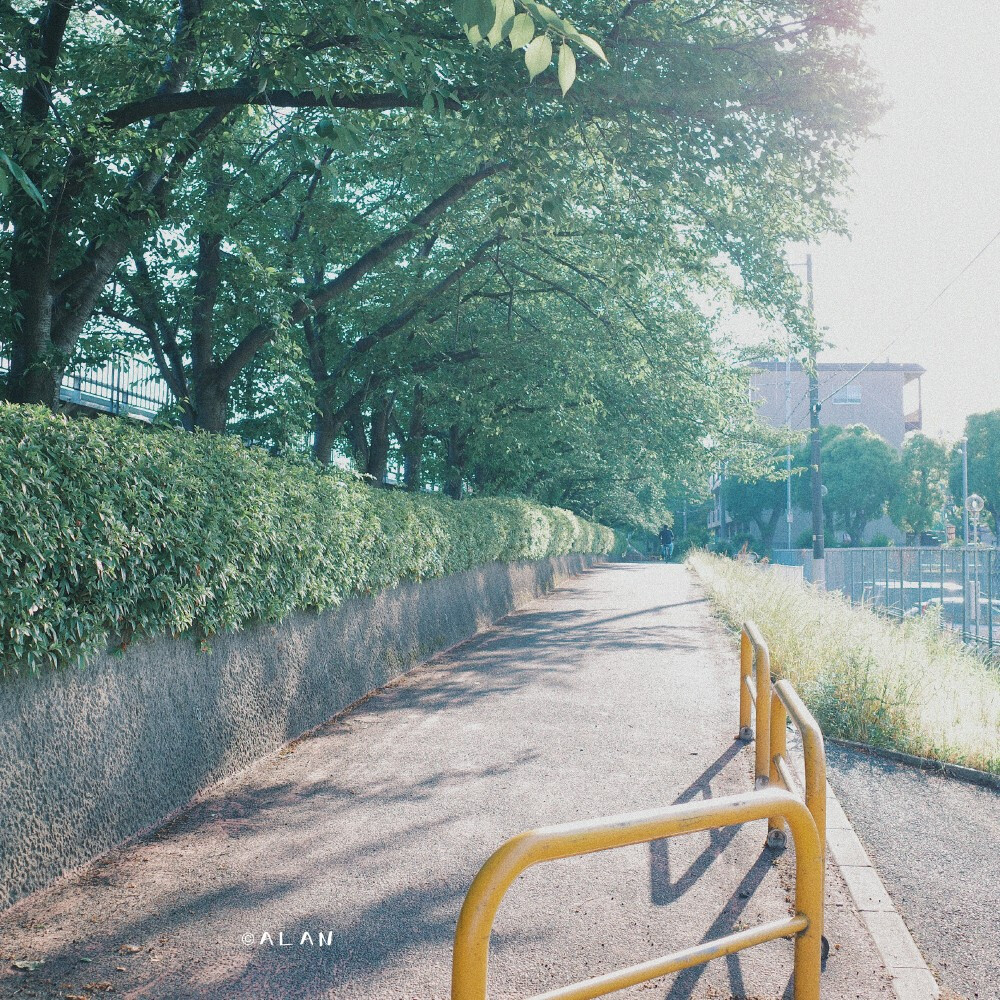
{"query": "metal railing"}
pixel 780 806
pixel 960 585
pixel 121 386
pixel 773 704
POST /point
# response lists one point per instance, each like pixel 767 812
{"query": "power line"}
pixel 909 326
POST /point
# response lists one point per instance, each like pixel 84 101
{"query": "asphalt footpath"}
pixel 936 843
pixel 616 693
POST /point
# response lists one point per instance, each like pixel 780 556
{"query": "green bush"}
pixel 109 530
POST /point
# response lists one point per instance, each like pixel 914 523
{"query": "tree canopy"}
pixel 393 229
pixel 923 492
pixel 983 433
pixel 861 472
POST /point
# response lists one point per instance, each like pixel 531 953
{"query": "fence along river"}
pixel 959 584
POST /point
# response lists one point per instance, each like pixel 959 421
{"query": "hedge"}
pixel 110 530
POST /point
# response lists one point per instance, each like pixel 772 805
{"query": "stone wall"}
pixel 90 758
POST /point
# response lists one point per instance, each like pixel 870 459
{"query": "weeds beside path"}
pixel 907 686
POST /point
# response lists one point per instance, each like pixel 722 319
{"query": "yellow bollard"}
pixel 746 673
pixel 762 702
pixel 779 749
pixel 470 962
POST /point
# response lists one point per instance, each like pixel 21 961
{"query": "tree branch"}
pixel 398 322
pixel 247 92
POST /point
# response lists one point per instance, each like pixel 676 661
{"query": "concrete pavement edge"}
pixel 911 977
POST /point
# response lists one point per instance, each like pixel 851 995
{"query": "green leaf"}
pixel 27 185
pixel 567 67
pixel 547 14
pixel 538 55
pixel 466 12
pixel 522 31
pixel 486 16
pixel 592 45
pixel 503 22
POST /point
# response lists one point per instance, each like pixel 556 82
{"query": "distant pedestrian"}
pixel 666 543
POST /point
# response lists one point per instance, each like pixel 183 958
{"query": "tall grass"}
pixel 906 686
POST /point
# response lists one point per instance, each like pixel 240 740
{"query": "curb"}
pixel 968 774
pixel 911 978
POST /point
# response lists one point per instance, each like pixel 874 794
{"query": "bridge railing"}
pixel 121 386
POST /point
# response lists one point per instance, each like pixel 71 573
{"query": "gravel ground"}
pixel 616 693
pixel 936 843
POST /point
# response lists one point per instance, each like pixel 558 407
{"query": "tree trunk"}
pixel 378 449
pixel 359 440
pixel 32 377
pixel 210 402
pixel 767 527
pixel 456 461
pixel 413 449
pixel 325 431
pixel 36 368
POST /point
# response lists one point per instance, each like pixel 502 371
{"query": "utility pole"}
pixel 819 549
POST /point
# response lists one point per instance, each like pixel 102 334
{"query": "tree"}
pixel 983 432
pixel 862 475
pixel 346 218
pixel 923 484
pixel 760 501
pixel 114 114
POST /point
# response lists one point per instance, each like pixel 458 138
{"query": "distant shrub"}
pixel 109 530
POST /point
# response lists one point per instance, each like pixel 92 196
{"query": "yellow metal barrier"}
pixel 755 690
pixel 775 704
pixel 472 936
pixel 765 709
pixel 785 704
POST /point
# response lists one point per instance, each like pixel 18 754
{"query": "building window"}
pixel 849 395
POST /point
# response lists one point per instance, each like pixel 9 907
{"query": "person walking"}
pixel 666 543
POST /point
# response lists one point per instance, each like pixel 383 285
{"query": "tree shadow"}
pixel 683 986
pixel 662 890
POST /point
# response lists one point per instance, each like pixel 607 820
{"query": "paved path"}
pixel 616 693
pixel 936 844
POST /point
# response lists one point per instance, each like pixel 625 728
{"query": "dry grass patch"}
pixel 906 686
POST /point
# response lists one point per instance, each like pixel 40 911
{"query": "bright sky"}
pixel 926 200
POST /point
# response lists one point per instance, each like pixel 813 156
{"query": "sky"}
pixel 925 201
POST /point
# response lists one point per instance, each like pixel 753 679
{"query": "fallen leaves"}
pixel 28 965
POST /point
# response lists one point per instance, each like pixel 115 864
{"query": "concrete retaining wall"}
pixel 92 757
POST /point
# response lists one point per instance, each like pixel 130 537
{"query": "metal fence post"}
pixel 975 588
pixel 886 579
pixel 902 597
pixel 920 581
pixel 942 585
pixel 989 598
pixel 965 594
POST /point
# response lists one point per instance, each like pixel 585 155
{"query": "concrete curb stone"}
pixel 957 771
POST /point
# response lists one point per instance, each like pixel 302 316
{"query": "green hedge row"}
pixel 109 530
